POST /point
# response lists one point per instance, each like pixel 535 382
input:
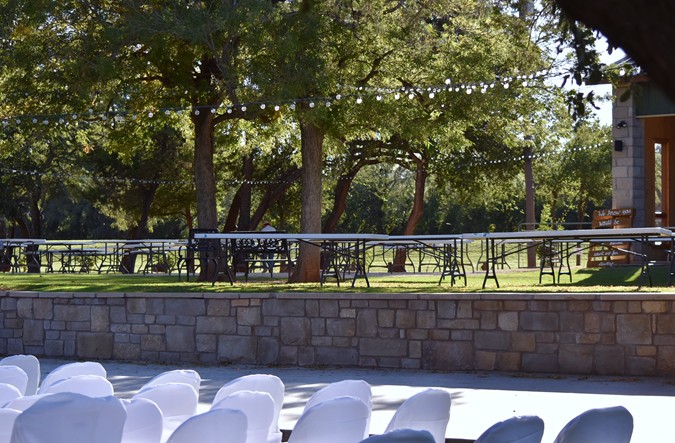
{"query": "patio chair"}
pixel 427 410
pixel 401 436
pixel 603 425
pixel 353 388
pixel 259 409
pixel 214 426
pixel 144 422
pixel 7 419
pixel 188 376
pixel 526 429
pixel 338 420
pixel 199 252
pixel 72 369
pixel 30 365
pixel 15 376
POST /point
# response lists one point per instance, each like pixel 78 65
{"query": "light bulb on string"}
pixel 397 96
pixel 196 111
pixel 166 112
pixel 276 107
pixel 34 120
pixel 292 106
pixel 262 106
pixel 338 97
pixel 432 95
pixel 411 96
pixel 229 110
pixel 378 97
pixel 311 104
pixel 150 114
pixel 327 104
pixel 213 110
pixel 243 109
pixel 359 100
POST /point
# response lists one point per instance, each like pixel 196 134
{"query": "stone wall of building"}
pixel 622 334
pixel 628 165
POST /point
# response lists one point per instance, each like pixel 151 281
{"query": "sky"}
pixel 605 112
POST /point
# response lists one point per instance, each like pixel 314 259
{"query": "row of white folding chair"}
pixel 265 383
pixel 30 365
pixel 601 425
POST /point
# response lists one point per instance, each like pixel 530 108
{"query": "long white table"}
pixel 642 236
pixel 337 248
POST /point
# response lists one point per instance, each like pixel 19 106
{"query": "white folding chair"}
pixel 25 402
pixel 7 419
pixel 259 409
pixel 30 365
pixel 214 426
pixel 602 425
pixel 8 393
pixel 428 410
pixel 401 436
pixel 70 418
pixel 144 422
pixel 71 369
pixel 526 429
pixel 177 401
pixel 187 376
pixel 15 376
pixel 263 383
pixel 352 388
pixel 338 420
pixel 89 385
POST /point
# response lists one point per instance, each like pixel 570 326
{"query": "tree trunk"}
pixel 273 194
pixel 32 257
pixel 308 267
pixel 415 216
pixel 245 196
pixel 339 202
pixel 205 181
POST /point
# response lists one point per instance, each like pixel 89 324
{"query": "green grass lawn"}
pixel 618 279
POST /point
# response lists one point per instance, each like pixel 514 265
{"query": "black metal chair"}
pixel 199 252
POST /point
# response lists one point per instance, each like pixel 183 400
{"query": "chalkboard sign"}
pixel 610 253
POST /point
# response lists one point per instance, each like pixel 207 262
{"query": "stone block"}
pixel 43 309
pixel 69 313
pixel 139 329
pixel 118 314
pixel 438 334
pixel 665 361
pixel 295 331
pixel 633 329
pixel 154 306
pixel 539 362
pixel 206 343
pixel 385 318
pixel 609 360
pixel 426 319
pixel 312 308
pixel 33 333
pixel 235 349
pixel 417 305
pixel 284 307
pixel 538 321
pixel 410 363
pixel 216 325
pixel 485 360
pixel 306 356
pixel 288 355
pixel 491 340
pixel 571 321
pixel 488 305
pixel 185 306
pixel 136 305
pixel 180 339
pixel 250 316
pixel 641 366
pixel 405 319
pixel 378 347
pixel 96 345
pixel 153 343
pixel 665 324
pixel 366 323
pixel 336 356
pixel 507 321
pixel 218 308
pixel 127 351
pixel 54 348
pixel 465 309
pixel 268 351
pixel 341 328
pixel 655 307
pixel 328 308
pixel 576 359
pixel 100 318
pixel 447 356
pixel 508 361
pixel 186 320
pixel 341 342
pixel 446 309
pixel 347 313
pixel 24 308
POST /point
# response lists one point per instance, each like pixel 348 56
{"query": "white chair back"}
pixel 258 408
pixel 30 365
pixel 214 426
pixel 15 376
pixel 351 388
pixel 71 369
pixel 71 418
pixel 428 410
pixel 7 419
pixel 603 425
pixel 263 383
pixel 144 422
pixel 339 420
pixel 89 385
pixel 401 436
pixel 23 403
pixel 8 393
pixel 526 429
pixel 177 401
pixel 187 376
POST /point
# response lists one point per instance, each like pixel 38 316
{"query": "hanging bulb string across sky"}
pixel 86 177
pixel 358 94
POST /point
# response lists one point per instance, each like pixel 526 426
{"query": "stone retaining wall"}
pixel 621 334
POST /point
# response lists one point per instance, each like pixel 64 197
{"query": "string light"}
pixel 378 93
